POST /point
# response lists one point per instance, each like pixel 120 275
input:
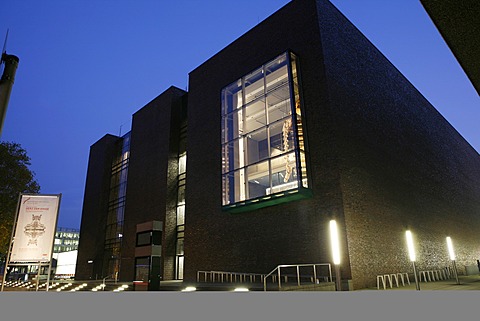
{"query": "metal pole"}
pixel 279 279
pixel 455 271
pixel 53 241
pixel 338 279
pixel 298 275
pixel 314 274
pixel 6 83
pixel 48 275
pixel 38 276
pixel 417 285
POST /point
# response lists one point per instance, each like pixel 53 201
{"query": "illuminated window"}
pixel 263 150
pixel 181 181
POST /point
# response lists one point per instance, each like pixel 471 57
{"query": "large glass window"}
pixel 116 207
pixel 263 150
pixel 181 181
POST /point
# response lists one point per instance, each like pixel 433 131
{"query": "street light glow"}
pixel 411 249
pixel 335 243
pixel 189 289
pixel 241 290
pixel 450 248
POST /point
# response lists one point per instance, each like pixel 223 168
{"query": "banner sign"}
pixel 35 231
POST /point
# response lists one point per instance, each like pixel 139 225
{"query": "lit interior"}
pixel 262 137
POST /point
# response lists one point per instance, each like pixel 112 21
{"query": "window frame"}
pixel 235 154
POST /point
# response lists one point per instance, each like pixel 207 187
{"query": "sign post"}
pixel 33 232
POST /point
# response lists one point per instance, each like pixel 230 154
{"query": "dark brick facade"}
pixel 154 140
pixel 402 164
pixel 95 207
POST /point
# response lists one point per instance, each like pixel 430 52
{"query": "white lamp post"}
pixel 334 240
pixel 452 257
pixel 411 253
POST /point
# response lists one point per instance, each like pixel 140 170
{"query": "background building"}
pixel 457 22
pixel 65 251
pixel 66 239
pixel 299 121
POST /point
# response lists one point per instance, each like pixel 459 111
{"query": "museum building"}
pixel 299 121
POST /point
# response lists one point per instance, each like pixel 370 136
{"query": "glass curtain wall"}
pixel 116 208
pixel 263 150
pixel 181 180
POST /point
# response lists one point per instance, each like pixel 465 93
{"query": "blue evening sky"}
pixel 87 66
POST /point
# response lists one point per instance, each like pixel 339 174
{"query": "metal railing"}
pixel 314 278
pixel 229 277
pixel 114 276
pixel 276 276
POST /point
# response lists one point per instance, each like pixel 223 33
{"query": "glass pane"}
pixel 144 238
pixel 122 190
pixel 254 85
pixel 179 246
pixel 281 137
pixel 277 72
pixel 232 97
pixel 301 137
pixel 233 155
pixel 181 195
pixel 284 173
pixel 294 63
pixel 303 164
pixel 181 215
pixel 233 125
pixel 257 146
pixel 110 231
pixel 157 238
pixel 255 115
pixel 120 211
pixel 142 267
pixel 226 183
pixel 111 218
pixel 278 104
pixel 180 266
pixel 234 187
pixel 182 164
pixel 258 180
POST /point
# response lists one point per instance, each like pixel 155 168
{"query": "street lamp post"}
pixel 452 257
pixel 411 253
pixel 334 240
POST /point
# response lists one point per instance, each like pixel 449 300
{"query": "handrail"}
pixel 103 281
pixel 232 277
pixel 278 269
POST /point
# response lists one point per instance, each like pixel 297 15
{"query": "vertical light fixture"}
pixel 411 253
pixel 452 257
pixel 334 240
